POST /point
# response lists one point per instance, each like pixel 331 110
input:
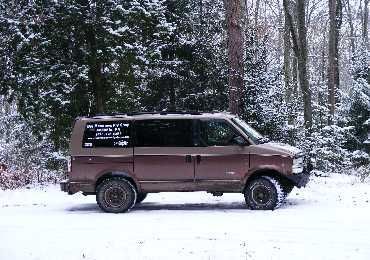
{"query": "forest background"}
pixel 297 71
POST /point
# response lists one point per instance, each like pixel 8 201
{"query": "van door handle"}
pixel 188 158
pixel 199 158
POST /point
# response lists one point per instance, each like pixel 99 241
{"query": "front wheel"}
pixel 264 193
pixel 116 195
pixel 287 188
pixel 140 197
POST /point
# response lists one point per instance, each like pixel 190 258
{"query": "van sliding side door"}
pixel 162 154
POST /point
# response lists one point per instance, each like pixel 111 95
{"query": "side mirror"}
pixel 239 140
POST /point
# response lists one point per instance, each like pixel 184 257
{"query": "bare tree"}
pixel 299 42
pixel 335 23
pixel 348 10
pixel 287 60
pixel 288 66
pixel 365 33
pixel 234 18
pixel 95 72
pixel 290 62
pixel 256 13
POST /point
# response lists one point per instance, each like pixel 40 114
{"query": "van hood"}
pixel 282 148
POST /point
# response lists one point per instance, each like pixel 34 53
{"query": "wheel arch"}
pixel 283 180
pixel 121 174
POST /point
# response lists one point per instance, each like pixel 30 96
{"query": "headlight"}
pixel 69 163
pixel 297 165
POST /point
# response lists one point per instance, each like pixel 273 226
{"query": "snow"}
pixel 327 220
pixel 286 147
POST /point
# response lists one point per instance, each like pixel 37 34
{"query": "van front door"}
pixel 221 163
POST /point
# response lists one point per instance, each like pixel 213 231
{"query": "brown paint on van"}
pixel 215 169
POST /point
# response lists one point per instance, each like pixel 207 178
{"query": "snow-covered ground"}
pixel 330 219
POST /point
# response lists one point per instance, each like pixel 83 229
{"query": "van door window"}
pixel 164 133
pixel 217 133
pixel 107 134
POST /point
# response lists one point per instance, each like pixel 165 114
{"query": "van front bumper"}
pixel 300 180
pixel 74 187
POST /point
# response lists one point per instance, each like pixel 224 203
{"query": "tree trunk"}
pixel 235 32
pixel 287 66
pixel 295 76
pixel 256 14
pixel 98 88
pixel 290 71
pixel 365 33
pixel 335 21
pixel 95 73
pixel 332 62
pixel 348 10
pixel 172 93
pixel 299 41
pixel 322 97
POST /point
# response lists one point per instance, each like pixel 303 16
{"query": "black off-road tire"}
pixel 116 195
pixel 287 188
pixel 264 193
pixel 140 197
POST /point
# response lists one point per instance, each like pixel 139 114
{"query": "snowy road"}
pixel 330 219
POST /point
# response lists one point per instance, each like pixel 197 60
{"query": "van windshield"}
pixel 255 136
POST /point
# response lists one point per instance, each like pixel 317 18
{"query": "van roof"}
pixel 160 114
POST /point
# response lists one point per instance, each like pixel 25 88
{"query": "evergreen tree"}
pixel 265 108
pixel 191 72
pixel 81 57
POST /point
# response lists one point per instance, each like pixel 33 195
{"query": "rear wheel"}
pixel 264 193
pixel 140 197
pixel 116 195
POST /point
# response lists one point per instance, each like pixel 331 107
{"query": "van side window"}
pixel 164 133
pixel 107 134
pixel 217 133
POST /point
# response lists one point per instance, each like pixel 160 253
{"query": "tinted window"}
pixel 165 133
pixel 107 134
pixel 216 133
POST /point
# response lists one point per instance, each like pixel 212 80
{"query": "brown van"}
pixel 121 158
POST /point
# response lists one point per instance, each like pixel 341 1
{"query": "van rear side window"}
pixel 107 134
pixel 164 133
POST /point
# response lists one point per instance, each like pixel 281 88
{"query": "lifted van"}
pixel 121 158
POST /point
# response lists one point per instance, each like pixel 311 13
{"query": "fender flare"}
pixel 122 174
pixel 268 172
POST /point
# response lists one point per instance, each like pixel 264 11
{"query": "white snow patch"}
pixel 327 220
